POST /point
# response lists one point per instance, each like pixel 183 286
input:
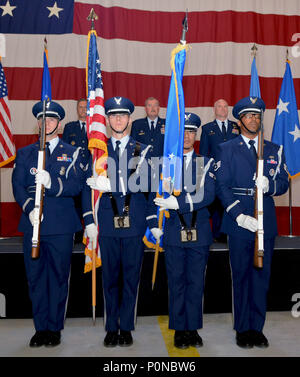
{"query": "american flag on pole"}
pixel 96 130
pixel 7 146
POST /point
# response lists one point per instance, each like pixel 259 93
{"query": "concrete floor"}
pixel 152 339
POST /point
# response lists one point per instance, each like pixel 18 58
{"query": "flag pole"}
pixel 161 213
pixel 290 186
pixel 92 17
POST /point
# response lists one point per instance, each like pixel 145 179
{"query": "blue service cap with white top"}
pixel 248 105
pixel 191 121
pixel 117 105
pixel 53 109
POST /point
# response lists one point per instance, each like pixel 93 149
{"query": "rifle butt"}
pixel 258 256
pixel 35 252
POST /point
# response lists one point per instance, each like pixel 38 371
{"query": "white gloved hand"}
pixel 157 233
pixel 100 183
pixel 247 222
pixel 92 233
pixel 262 183
pixel 31 217
pixel 169 203
pixel 43 177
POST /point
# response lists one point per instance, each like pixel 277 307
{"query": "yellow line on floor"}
pixel 168 336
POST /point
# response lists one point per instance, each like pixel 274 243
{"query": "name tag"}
pixel 188 235
pixel 121 222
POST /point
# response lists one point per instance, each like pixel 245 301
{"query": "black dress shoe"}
pixel 258 339
pixel 181 339
pixel 195 339
pixel 52 339
pixel 38 339
pixel 244 339
pixel 125 338
pixel 111 339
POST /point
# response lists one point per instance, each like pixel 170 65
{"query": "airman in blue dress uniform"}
pixel 235 185
pixel 62 178
pixel 214 133
pixel 150 130
pixel 122 221
pixel 187 237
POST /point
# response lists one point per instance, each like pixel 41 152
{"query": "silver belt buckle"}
pixel 121 222
pixel 188 235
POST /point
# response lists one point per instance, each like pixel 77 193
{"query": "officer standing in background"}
pixel 76 135
pixel 236 183
pixel 122 221
pixel 75 132
pixel 62 179
pixel 150 130
pixel 213 134
pixel 187 237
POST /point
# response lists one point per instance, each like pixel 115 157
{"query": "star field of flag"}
pixel 36 16
pixel 3 86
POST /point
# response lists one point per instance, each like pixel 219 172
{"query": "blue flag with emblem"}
pixel 46 83
pixel 286 130
pixel 174 134
pixel 254 84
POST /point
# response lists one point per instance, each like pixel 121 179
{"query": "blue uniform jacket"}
pixel 138 209
pixel 72 135
pixel 140 131
pixel 235 168
pixel 212 136
pixel 188 201
pixel 67 177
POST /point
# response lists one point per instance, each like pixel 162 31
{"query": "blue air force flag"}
pixel 286 130
pixel 254 84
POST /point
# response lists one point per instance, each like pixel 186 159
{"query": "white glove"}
pixel 43 177
pixel 247 222
pixel 92 233
pixel 262 183
pixel 31 217
pixel 157 233
pixel 169 203
pixel 100 183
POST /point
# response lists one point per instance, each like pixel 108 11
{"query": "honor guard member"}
pixel 63 178
pixel 213 134
pixel 235 185
pixel 122 222
pixel 150 130
pixel 76 135
pixel 187 237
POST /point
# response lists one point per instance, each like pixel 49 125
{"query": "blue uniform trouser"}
pixel 118 254
pixel 250 285
pixel 186 268
pixel 48 279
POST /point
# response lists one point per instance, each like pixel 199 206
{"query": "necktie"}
pixel 152 126
pixel 252 149
pixel 83 128
pixel 47 150
pixel 117 150
pixel 223 129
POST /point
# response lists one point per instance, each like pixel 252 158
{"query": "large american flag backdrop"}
pixel 135 39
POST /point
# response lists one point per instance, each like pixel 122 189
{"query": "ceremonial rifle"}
pixel 258 206
pixel 39 190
